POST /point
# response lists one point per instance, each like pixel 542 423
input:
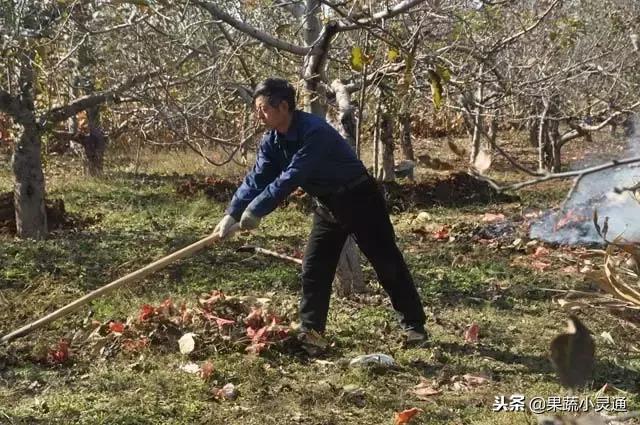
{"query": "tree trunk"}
pixel 29 191
pixel 349 277
pixel 94 143
pixel 406 146
pixel 386 139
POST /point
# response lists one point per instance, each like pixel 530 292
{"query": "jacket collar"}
pixel 292 133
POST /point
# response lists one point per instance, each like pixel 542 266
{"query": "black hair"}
pixel 276 90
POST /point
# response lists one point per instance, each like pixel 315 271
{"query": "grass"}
pixel 132 219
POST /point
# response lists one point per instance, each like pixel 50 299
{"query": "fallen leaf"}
pixel 608 338
pixel 405 416
pixel 467 381
pixel 424 390
pixel 190 368
pixel 116 327
pixel 492 218
pixel 475 380
pixel 540 265
pixel 228 392
pixel 254 319
pixel 135 344
pixel 441 234
pixel 146 311
pixel 206 370
pixel 472 333
pixel 541 252
pixel 482 161
pixel 186 343
pixel 59 354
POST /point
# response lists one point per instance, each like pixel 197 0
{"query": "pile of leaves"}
pixel 457 189
pixel 217 322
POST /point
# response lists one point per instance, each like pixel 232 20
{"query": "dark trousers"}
pixel 361 212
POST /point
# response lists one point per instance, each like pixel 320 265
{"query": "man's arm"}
pixel 264 172
pixel 304 162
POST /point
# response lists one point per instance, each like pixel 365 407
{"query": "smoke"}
pixel 573 224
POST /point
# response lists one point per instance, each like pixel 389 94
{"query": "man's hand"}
pixel 226 227
pixel 249 221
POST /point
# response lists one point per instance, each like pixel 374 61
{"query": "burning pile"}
pixel 596 193
pixel 573 224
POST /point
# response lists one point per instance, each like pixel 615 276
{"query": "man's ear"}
pixel 284 106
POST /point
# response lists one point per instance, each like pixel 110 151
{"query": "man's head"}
pixel 274 102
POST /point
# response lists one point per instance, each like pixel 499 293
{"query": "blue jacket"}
pixel 312 155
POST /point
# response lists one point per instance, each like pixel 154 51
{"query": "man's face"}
pixel 270 116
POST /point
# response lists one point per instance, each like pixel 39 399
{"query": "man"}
pixel 303 150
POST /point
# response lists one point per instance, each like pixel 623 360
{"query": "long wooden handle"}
pixel 138 274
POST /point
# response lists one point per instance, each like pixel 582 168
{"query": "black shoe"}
pixel 414 338
pixel 312 342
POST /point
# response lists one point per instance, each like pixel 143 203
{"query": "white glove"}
pixel 249 221
pixel 226 227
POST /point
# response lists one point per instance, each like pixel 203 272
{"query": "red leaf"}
pixel 212 298
pixel 59 354
pixel 116 327
pixel 166 308
pixel 135 344
pixel 471 334
pixel 146 311
pixel 186 316
pixel 257 335
pixel 405 416
pixel 254 319
pixel 220 321
pixel 441 234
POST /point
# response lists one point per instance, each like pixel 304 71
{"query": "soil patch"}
pixel 57 217
pixel 457 189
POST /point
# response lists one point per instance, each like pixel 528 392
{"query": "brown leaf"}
pixel 472 333
pixel 206 370
pixel 540 265
pixel 424 390
pixel 492 218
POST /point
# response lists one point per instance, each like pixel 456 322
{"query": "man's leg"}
pixel 374 234
pixel 318 269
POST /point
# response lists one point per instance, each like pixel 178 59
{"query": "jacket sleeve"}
pixel 304 162
pixel 264 172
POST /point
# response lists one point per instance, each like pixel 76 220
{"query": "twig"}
pixel 555 176
pixel 248 248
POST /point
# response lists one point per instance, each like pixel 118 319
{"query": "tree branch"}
pixel 390 12
pixel 530 28
pixel 556 176
pixel 63 112
pixel 253 32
